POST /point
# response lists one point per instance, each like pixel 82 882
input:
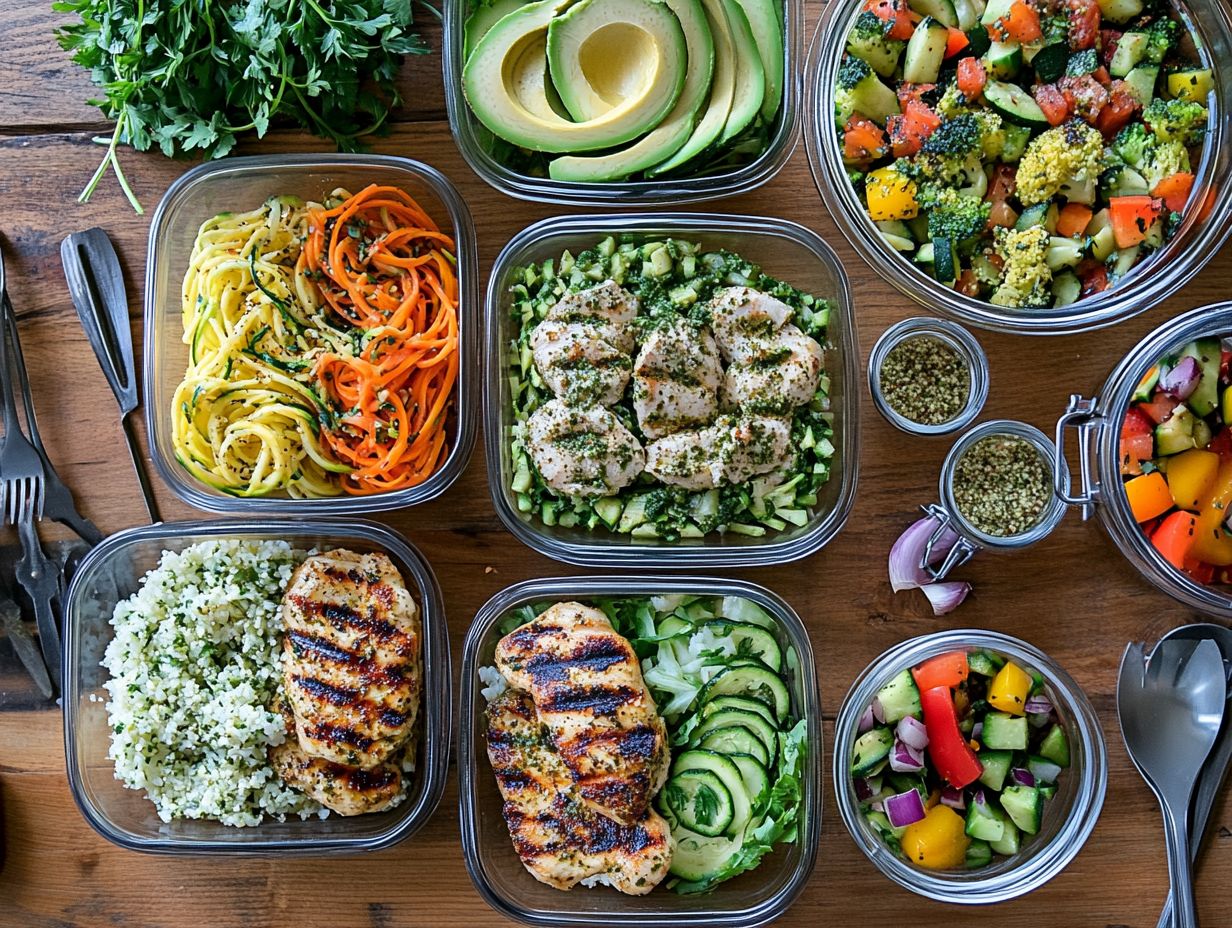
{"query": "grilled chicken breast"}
pixel 351 658
pixel 742 318
pixel 731 450
pixel 782 374
pixel 675 379
pixel 583 451
pixel 345 790
pixel 606 309
pixel 577 364
pixel 587 687
pixel 560 839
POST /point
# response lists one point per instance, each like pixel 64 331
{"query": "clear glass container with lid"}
pixel 784 250
pixel 1199 238
pixel 480 147
pixel 244 184
pixel 1100 489
pixel 754 898
pixel 1069 816
pixel 112 572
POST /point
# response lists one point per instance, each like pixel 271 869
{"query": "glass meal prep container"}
pixel 1199 237
pixel 1069 816
pixel 112 572
pixel 475 141
pixel 1100 490
pixel 243 184
pixel 754 898
pixel 784 250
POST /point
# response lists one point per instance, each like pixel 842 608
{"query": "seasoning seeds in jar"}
pixel 925 379
pixel 1002 485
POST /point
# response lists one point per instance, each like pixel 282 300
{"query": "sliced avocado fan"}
pixel 675 129
pixel 483 18
pixel 767 28
pixel 750 76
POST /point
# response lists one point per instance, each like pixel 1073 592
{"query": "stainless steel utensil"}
pixel 23 644
pixel 1211 779
pixel 96 283
pixel 1170 711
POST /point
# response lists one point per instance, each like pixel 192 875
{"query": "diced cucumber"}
pixel 1131 49
pixel 1016 139
pixel 899 698
pixel 1146 386
pixel 700 802
pixel 1003 60
pixel 521 475
pixel 996 766
pixel 985 663
pixel 1041 214
pixel 1141 82
pixel 878 52
pixel 941 10
pixel 968 13
pixel 871 748
pixel 925 52
pixel 1175 434
pixel 1120 11
pixel 634 514
pixel 1014 104
pixel 1205 397
pixel 924 254
pixel 979 854
pixel 1055 746
pixel 1005 732
pixel 983 824
pixel 1010 840
pixel 609 509
pixel 995 10
pixel 871 98
pixel 1066 289
pixel 1025 807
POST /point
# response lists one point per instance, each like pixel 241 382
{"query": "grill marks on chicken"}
pixel 560 839
pixel 579 751
pixel 352 676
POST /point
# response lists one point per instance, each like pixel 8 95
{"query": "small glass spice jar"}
pixel 928 376
pixel 965 519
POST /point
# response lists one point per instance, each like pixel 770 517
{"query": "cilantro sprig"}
pixel 188 76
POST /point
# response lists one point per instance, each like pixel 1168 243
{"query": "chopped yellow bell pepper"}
pixel 1010 689
pixel 1148 496
pixel 890 195
pixel 1190 85
pixel 938 841
pixel 1191 474
pixel 1211 544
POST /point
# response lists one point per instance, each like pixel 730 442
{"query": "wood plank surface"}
pixel 1072 595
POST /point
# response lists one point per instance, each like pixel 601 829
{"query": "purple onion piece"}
pixel 911 732
pixel 904 809
pixel 878 712
pixel 1022 777
pixel 864 792
pixel 953 798
pixel 976 730
pixel 907 554
pixel 946 597
pixel 1038 705
pixel 1182 380
pixel 866 720
pixel 906 759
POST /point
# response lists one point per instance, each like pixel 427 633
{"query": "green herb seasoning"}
pixel 925 380
pixel 1001 485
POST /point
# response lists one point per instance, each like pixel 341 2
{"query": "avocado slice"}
pixel 483 17
pixel 500 57
pixel 750 75
pixel 712 118
pixel 767 28
pixel 599 53
pixel 675 129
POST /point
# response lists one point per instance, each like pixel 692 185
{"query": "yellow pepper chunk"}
pixel 938 841
pixel 1191 85
pixel 890 195
pixel 1211 544
pixel 1191 474
pixel 1010 688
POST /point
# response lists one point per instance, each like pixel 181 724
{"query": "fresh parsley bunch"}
pixel 190 75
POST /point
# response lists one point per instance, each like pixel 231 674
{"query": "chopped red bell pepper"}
pixel 956 763
pixel 948 670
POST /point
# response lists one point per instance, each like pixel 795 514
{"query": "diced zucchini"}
pixel 609 509
pixel 1066 289
pixel 1064 252
pixel 1050 61
pixel 941 10
pixel 925 52
pixel 878 52
pixel 1141 82
pixel 1014 104
pixel 1003 60
pixel 945 259
pixel 1016 139
pixel 1131 49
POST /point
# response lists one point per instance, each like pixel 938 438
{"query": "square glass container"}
pixel 784 250
pixel 245 183
pixel 475 141
pixel 754 898
pixel 112 572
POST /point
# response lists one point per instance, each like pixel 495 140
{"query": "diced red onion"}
pixel 904 809
pixel 906 759
pixel 864 792
pixel 1038 705
pixel 878 712
pixel 1045 771
pixel 866 720
pixel 1182 380
pixel 907 553
pixel 946 597
pixel 953 798
pixel 976 730
pixel 979 799
pixel 911 732
pixel 1022 777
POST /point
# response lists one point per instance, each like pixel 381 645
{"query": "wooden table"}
pixel 1073 595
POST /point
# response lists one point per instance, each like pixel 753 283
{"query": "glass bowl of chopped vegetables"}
pixel 1020 170
pixel 666 467
pixel 969 767
pixel 1155 450
pixel 730 670
pixel 624 102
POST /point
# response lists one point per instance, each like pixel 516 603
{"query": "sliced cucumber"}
pixel 755 681
pixel 1131 49
pixel 1003 60
pixel 751 641
pixel 756 777
pixel 1015 105
pixel 941 10
pixel 697 857
pixel 899 698
pixel 735 739
pixel 870 749
pixel 766 733
pixel 728 773
pixel 743 703
pixel 925 52
pixel 700 802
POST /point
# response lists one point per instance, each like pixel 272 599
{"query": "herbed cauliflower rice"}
pixel 195 664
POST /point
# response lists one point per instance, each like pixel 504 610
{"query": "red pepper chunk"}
pixel 948 670
pixel 956 763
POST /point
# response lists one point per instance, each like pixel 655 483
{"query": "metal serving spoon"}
pixel 1211 780
pixel 1170 711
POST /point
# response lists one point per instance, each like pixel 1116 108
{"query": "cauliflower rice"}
pixel 195 663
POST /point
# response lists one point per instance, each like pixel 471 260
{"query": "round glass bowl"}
pixel 1200 236
pixel 956 338
pixel 1069 816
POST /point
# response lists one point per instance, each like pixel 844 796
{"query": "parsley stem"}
pixel 112 160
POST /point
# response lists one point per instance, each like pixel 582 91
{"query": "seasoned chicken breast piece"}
pixel 675 379
pixel 731 450
pixel 607 309
pixel 741 317
pixel 351 657
pixel 782 374
pixel 582 451
pixel 578 364
pixel 587 686
pixel 345 790
pixel 560 839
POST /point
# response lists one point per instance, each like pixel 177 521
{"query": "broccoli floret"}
pixel 1162 35
pixel 1026 278
pixel 1063 160
pixel 1167 158
pixel 1146 161
pixel 870 27
pixel 957 217
pixel 1081 63
pixel 1179 120
pixel 851 72
pixel 1132 144
pixel 959 135
pixel 952 102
